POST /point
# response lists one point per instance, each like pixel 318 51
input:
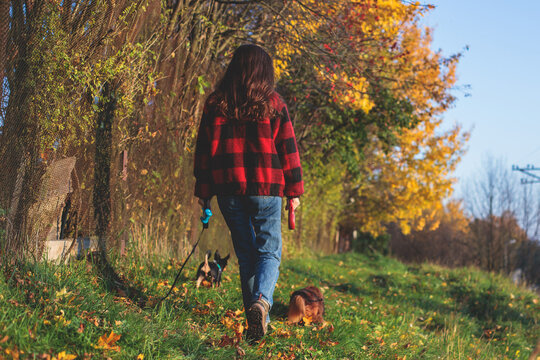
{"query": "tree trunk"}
pixel 4 28
pixel 102 170
pixel 11 226
pixel 19 141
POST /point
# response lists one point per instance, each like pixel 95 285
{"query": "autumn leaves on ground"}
pixel 376 307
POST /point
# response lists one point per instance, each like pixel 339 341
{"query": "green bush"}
pixel 366 243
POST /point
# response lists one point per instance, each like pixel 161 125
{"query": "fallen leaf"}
pixel 62 293
pixel 61 319
pixel 140 357
pixel 4 339
pixel 228 322
pixel 239 330
pixel 64 356
pixel 226 340
pixel 14 353
pixel 283 333
pixel 329 343
pixel 162 283
pixel 108 341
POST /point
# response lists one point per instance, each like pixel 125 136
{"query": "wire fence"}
pixel 98 111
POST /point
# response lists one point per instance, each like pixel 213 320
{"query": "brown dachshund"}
pixel 306 303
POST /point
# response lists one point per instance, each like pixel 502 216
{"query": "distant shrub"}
pixel 367 243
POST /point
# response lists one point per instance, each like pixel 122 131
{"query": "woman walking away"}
pixel 247 156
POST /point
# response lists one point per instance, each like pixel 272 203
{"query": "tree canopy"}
pixel 364 88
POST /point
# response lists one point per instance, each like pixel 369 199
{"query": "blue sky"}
pixel 502 66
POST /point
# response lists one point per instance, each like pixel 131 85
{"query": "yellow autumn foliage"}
pixel 407 185
pixel 414 177
pixel 382 45
pixel 376 23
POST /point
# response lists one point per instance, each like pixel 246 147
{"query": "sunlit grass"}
pixel 376 307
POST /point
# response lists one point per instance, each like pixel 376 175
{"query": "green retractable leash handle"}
pixel 205 219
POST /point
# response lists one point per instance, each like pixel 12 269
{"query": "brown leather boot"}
pixel 256 318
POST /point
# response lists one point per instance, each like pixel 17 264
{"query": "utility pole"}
pixel 531 178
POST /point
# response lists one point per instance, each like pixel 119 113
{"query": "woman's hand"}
pixel 295 203
pixel 205 204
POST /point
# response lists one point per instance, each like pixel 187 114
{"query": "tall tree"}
pixel 502 217
pixel 367 92
pixel 19 147
pixel 4 28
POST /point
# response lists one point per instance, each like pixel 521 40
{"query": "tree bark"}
pixel 102 170
pixel 4 28
pixel 19 141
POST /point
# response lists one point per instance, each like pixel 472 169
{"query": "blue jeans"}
pixel 255 225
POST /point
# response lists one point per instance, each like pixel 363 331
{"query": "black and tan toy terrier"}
pixel 211 270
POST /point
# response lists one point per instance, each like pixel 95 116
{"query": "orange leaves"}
pixel 281 332
pixel 328 343
pixel 108 342
pixel 226 340
pixel 347 91
pixel 13 353
pixel 17 354
pixel 207 284
pixel 307 320
pixel 61 356
pixel 284 356
pixel 205 308
pixel 325 325
pixel 64 356
pixel 233 321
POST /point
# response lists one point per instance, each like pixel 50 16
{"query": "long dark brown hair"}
pixel 245 91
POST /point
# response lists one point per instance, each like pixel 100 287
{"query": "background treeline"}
pixel 120 86
pixel 496 226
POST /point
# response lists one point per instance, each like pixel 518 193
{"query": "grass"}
pixel 376 307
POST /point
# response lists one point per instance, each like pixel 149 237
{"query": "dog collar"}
pixel 219 267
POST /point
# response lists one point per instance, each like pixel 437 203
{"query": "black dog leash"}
pixel 207 213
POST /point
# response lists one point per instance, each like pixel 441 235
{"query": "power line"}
pixel 529 171
pixel 530 154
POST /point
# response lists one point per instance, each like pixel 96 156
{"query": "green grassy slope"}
pixel 376 307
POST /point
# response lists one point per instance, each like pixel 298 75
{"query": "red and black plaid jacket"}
pixel 247 158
